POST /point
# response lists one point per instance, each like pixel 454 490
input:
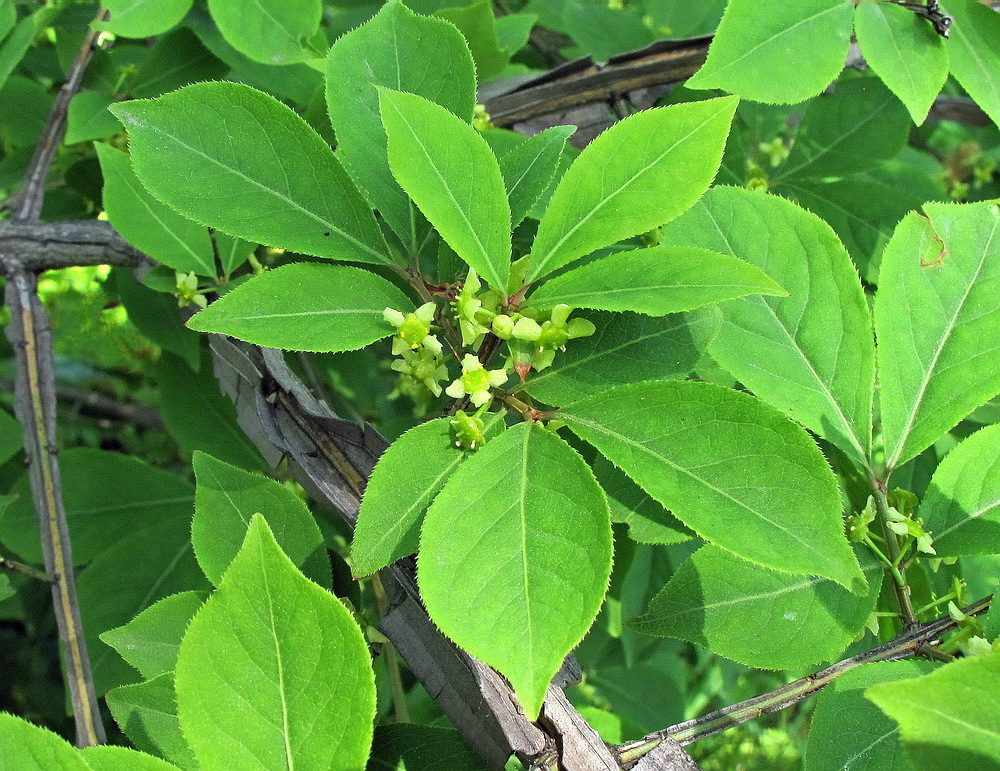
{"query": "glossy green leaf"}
pixel 961 508
pixel 811 354
pixel 98 513
pixel 306 307
pixel 529 168
pixel 635 176
pixel 401 50
pixel 782 53
pixel 937 320
pixel 648 521
pixel 520 539
pixel 147 714
pixel 143 18
pixel 421 748
pixel 226 499
pixel 905 52
pixel 150 641
pixel 848 731
pixel 108 758
pixel 948 719
pixel 974 50
pixel 28 747
pixel 148 224
pixel 199 416
pixel 233 158
pixel 273 671
pixel 656 281
pixel 269 31
pixel 405 480
pixel 136 571
pixel 626 347
pixel 860 124
pixel 734 470
pixel 450 172
pixel 756 616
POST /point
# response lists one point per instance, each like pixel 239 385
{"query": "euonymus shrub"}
pixel 559 358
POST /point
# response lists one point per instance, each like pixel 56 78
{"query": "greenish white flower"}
pixel 476 381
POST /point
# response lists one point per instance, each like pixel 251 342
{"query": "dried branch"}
pixel 38 246
pixel 912 642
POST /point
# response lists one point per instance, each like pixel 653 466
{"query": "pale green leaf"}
pixel 147 714
pixel 811 354
pixel 757 616
pixel 948 719
pixel 450 172
pixel 231 157
pixel 656 281
pixel 852 129
pixel 269 31
pixel 780 53
pixel 529 168
pixel 273 671
pixel 400 50
pixel 517 556
pixel 734 470
pixel 28 747
pixel 109 758
pixel 404 482
pixel 143 18
pixel 849 732
pixel 625 348
pixel 150 641
pixel 149 225
pixel 961 508
pixel 227 497
pixel 306 307
pixel 974 50
pixel 937 320
pixel 905 51
pixel 638 174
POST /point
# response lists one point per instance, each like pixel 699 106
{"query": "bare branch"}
pixel 38 246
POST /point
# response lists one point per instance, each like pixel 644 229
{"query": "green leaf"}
pixel 937 320
pixel 98 513
pixel 756 616
pixel 421 748
pixel 143 18
pixel 961 508
pixel 16 44
pixel 233 252
pixel 88 118
pixel 150 641
pixel 227 498
pixel 655 281
pixel 991 622
pixel 269 31
pixel 405 480
pixel 478 26
pixel 603 31
pixel 155 315
pixel 529 168
pixel 848 731
pixel 647 520
pixel 176 59
pixel 238 160
pixel 151 226
pixel 853 129
pixel 306 307
pixel 974 50
pixel 734 470
pixel 401 50
pixel 780 54
pixel 517 557
pixel 811 354
pixel 6 590
pixel 905 51
pixel 10 437
pixel 626 347
pixel 199 416
pixel 147 714
pixel 108 758
pixel 273 671
pixel 638 174
pixel 449 171
pixel 28 747
pixel 947 719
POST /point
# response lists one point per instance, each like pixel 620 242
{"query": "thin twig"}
pixel 905 645
pixel 26 570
